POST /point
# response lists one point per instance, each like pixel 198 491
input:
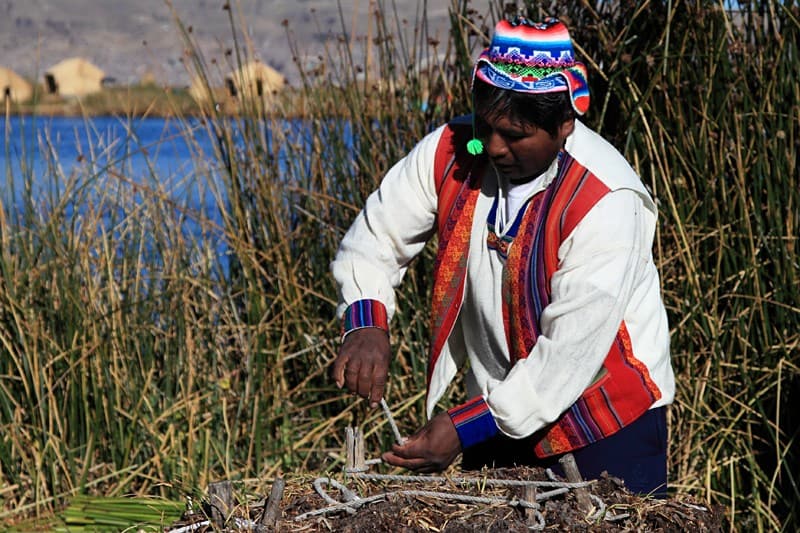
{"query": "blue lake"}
pixel 49 152
pixel 43 157
pixel 179 154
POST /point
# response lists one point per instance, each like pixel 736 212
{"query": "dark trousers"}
pixel 636 454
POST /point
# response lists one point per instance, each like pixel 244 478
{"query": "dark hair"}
pixel 545 110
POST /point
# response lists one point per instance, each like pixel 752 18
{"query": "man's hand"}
pixel 363 363
pixel 431 449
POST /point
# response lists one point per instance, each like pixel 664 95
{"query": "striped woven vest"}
pixel 623 390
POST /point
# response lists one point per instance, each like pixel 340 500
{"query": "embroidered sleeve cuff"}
pixel 364 314
pixel 474 422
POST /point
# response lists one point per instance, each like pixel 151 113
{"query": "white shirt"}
pixel 605 274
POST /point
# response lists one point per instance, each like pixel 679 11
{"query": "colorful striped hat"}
pixel 534 58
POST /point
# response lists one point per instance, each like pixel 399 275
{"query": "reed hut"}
pixel 15 88
pixel 201 90
pixel 74 77
pixel 207 94
pixel 255 79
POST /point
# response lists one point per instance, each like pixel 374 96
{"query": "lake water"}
pixel 38 149
pixel 177 158
pixel 173 151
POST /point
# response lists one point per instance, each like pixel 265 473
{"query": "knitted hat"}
pixel 534 58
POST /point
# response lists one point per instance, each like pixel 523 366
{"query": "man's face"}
pixel 518 150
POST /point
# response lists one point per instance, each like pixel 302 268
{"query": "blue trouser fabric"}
pixel 636 454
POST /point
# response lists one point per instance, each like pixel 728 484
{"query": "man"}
pixel 544 283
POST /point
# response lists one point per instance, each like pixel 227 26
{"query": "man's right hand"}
pixel 363 363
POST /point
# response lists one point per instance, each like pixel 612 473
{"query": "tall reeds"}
pixel 137 358
pixel 709 106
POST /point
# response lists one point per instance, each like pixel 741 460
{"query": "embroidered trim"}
pixel 474 422
pixel 365 314
pixel 450 270
pixel 498 243
pixel 519 319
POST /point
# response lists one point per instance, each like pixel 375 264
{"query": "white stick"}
pixel 397 437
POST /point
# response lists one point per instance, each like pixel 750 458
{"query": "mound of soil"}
pixel 455 506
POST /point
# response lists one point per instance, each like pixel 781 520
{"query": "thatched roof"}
pixel 14 86
pixel 255 79
pixel 200 89
pixel 74 77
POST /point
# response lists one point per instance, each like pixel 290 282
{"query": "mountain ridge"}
pixel 131 41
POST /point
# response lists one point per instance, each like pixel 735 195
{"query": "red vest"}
pixel 622 390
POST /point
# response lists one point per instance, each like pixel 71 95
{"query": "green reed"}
pixel 134 362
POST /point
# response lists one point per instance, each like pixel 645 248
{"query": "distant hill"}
pixel 135 39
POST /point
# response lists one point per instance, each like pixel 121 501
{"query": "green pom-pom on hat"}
pixel 475 147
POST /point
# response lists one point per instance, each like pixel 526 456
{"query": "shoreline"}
pixel 147 101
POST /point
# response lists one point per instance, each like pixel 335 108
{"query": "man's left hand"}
pixel 431 449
